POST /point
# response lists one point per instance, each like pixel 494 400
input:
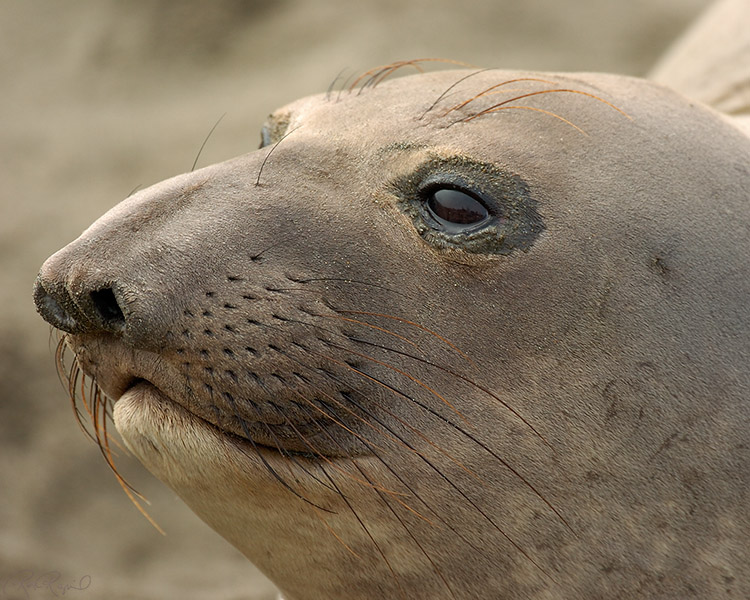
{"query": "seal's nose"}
pixel 90 309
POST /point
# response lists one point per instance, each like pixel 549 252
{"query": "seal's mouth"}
pixel 268 437
pixel 104 372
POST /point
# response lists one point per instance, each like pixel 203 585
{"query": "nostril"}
pixel 107 306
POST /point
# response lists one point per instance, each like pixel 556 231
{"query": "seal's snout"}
pixel 92 309
pixel 53 310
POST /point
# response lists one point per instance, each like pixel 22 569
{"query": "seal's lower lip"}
pixel 136 385
pixel 141 392
pixel 140 387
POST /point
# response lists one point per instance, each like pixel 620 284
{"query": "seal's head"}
pixel 457 335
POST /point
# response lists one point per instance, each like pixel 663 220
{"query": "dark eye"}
pixel 456 210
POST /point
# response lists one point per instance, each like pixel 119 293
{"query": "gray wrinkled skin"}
pixel 555 407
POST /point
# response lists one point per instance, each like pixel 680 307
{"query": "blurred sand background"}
pixel 100 96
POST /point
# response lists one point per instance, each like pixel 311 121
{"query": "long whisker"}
pixel 345 280
pixel 367 532
pixel 203 145
pixel 349 431
pixel 377 74
pixel 502 461
pixel 403 422
pixel 279 446
pixel 372 447
pixel 413 537
pixel 412 324
pixel 247 437
pixel 540 92
pixel 398 439
pixel 336 536
pixel 370 326
pixel 398 517
pixel 463 378
pixel 268 155
pixel 100 436
pixel 404 374
pixel 490 90
pixel 540 110
pixel 454 486
pixel 450 87
pixel 420 455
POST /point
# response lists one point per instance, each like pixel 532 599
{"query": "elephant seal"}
pixel 464 334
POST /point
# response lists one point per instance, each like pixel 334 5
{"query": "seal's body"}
pixel 468 334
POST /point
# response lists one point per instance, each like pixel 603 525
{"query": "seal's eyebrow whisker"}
pixel 535 109
pixel 493 89
pixel 372 74
pixel 494 107
pixel 134 190
pixel 377 74
pixel 268 155
pixel 333 84
pixel 205 141
pixel 384 73
pixel 344 86
pixel 450 87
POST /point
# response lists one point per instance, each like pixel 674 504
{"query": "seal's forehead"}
pixel 475 103
pixel 449 97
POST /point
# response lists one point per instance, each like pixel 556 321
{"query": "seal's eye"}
pixel 456 210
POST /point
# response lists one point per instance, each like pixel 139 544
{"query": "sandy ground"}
pixel 99 97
